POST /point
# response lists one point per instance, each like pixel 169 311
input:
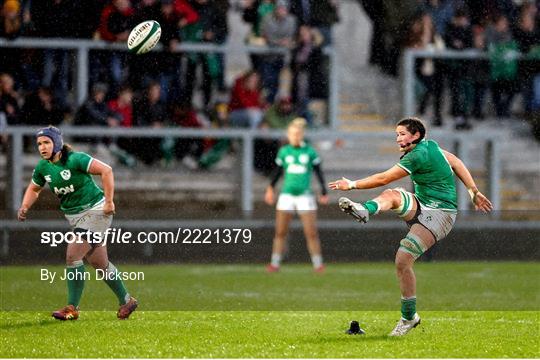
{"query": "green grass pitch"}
pixel 468 309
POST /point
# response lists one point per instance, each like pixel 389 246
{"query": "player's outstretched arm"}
pixel 30 196
pixel 373 181
pixel 107 178
pixel 480 201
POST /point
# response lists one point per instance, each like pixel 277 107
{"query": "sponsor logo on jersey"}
pixel 65 174
pixel 289 159
pixel 48 178
pixel 64 190
pixel 296 169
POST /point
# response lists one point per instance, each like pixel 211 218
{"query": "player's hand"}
pixel 269 196
pixel 323 199
pixel 108 208
pixel 21 214
pixel 342 184
pixel 482 203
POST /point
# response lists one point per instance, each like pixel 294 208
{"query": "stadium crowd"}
pixel 499 27
pixel 158 89
pixel 162 88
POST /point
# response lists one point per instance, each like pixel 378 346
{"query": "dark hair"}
pixel 66 151
pixel 461 12
pixel 413 125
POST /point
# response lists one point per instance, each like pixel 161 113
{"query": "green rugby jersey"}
pixel 432 175
pixel 71 182
pixel 297 163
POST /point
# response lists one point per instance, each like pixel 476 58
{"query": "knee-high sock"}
pixel 408 307
pixel 116 284
pixel 75 282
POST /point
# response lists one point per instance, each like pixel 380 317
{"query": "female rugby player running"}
pixel 88 210
pixel 297 160
pixel 429 213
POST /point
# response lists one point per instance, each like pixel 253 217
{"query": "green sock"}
pixel 75 282
pixel 371 206
pixel 116 284
pixel 408 308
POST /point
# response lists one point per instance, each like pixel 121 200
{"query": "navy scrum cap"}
pixel 55 135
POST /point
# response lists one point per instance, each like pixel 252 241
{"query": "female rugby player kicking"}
pixel 88 210
pixel 429 213
pixel 297 160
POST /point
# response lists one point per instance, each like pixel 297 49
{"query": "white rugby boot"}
pixel 404 326
pixel 356 210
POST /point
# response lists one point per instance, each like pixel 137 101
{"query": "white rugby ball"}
pixel 144 37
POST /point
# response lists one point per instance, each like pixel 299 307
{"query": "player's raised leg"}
pixel 283 219
pixel 389 199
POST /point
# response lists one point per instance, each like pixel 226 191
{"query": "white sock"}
pixel 316 260
pixel 276 259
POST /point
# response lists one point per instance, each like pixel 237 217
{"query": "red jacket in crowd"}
pixel 243 98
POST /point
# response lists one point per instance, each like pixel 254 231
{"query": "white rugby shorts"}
pixel 288 202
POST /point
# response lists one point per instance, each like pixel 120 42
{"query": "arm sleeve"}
pixel 275 175
pixel 411 162
pixel 37 178
pixel 82 161
pixel 320 177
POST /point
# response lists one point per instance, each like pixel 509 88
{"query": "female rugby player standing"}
pixel 429 213
pixel 86 207
pixel 297 160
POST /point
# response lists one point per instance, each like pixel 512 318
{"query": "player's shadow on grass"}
pixel 26 324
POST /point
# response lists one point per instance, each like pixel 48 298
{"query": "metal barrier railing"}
pixel 82 48
pixel 247 136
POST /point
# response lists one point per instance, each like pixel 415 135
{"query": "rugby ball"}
pixel 144 37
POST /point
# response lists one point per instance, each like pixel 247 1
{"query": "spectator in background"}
pixel 254 12
pixel 150 111
pixel 10 19
pixel 503 66
pixel 527 38
pixel 459 37
pixel 278 116
pixel 441 11
pixel 375 11
pixel 54 19
pixel 116 22
pixel 481 74
pixel 188 151
pixel 320 14
pixel 9 107
pixel 246 105
pixel 122 105
pixel 221 29
pixel 40 108
pixel 10 100
pixel 172 19
pixel 306 64
pixel 421 35
pixel 217 148
pixel 278 28
pixel 94 111
pixel 204 30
